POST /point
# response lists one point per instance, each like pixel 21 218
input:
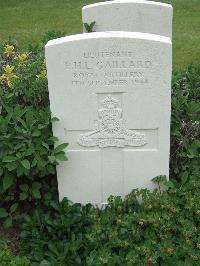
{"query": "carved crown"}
pixel 110 109
pixel 110 102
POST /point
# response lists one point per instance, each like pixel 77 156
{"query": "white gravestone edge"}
pixel 130 15
pixel 127 1
pixel 110 34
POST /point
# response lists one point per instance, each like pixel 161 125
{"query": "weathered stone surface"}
pixel 111 92
pixel 130 15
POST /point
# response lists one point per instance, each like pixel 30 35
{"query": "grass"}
pixel 27 20
pixel 186 32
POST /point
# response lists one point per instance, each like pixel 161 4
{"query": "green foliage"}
pixel 7 259
pixel 26 151
pixel 25 142
pixel 146 228
pixel 26 82
pixel 185 124
pixel 50 35
pixel 89 27
pixel 27 154
pixel 63 236
pixel 9 215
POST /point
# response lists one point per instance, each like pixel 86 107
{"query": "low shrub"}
pixel 7 259
pixel 27 153
pixel 185 123
pixel 146 228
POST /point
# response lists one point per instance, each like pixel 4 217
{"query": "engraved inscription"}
pixel 108 68
pixel 114 64
pixel 110 129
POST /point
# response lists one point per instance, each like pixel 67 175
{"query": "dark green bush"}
pixel 185 123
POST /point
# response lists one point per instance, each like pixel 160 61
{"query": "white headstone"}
pixel 111 92
pixel 130 15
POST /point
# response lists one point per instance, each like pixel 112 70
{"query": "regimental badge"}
pixel 110 129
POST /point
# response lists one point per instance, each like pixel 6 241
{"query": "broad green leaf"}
pixel 11 166
pixel 36 193
pixel 45 263
pixel 3 213
pixel 23 195
pixel 52 159
pixel 191 156
pixel 8 181
pixel 61 157
pixel 54 119
pixel 53 139
pixel 36 185
pixel 45 145
pixel 51 169
pixel 169 184
pixel 8 159
pixel 20 170
pixel 36 190
pixel 55 205
pixel 89 27
pixel 24 187
pixel 60 148
pixel 36 133
pixel 34 162
pixel 47 196
pixel 41 126
pixel 26 164
pixel 13 208
pixel 29 151
pixel 9 95
pixel 8 222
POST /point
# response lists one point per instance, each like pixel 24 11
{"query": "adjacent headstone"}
pixel 111 92
pixel 130 15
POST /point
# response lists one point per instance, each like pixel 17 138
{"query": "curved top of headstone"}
pixel 128 1
pixel 108 34
pixel 130 15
